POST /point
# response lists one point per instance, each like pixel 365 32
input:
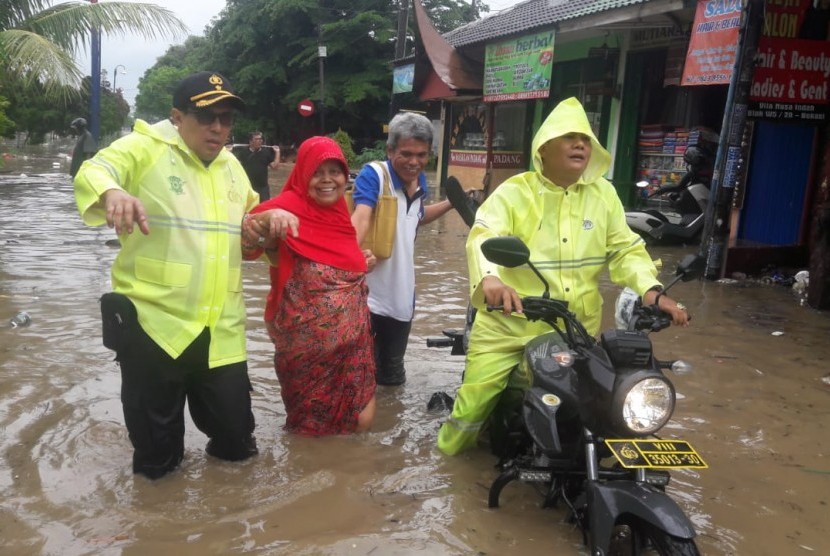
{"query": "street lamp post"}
pixel 321 54
pixel 115 74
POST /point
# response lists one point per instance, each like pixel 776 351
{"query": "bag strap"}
pixel 385 179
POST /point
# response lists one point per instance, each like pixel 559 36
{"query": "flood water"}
pixel 756 407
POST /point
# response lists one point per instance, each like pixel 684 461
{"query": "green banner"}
pixel 518 69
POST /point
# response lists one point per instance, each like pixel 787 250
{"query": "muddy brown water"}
pixel 756 406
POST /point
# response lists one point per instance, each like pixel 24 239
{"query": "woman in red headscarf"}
pixel 317 311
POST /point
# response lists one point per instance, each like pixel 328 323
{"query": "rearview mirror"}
pixel 507 251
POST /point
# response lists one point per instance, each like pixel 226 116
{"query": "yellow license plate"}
pixel 656 454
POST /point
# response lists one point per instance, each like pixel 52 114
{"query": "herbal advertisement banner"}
pixel 518 69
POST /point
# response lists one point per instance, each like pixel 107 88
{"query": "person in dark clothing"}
pixel 256 160
pixel 85 147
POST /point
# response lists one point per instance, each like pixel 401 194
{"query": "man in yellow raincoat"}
pixel 574 224
pixel 176 316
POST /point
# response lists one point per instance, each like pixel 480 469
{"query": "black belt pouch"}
pixel 119 317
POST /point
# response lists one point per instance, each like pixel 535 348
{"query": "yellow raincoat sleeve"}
pixel 495 218
pixel 629 264
pixel 111 168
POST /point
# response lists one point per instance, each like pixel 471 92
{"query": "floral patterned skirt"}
pixel 324 353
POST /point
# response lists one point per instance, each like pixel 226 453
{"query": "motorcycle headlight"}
pixel 648 405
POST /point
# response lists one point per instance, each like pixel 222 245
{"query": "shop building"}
pixel 495 79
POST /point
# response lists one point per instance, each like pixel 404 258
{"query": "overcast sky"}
pixel 137 56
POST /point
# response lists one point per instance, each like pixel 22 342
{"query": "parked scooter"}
pixel 687 200
pixel 575 402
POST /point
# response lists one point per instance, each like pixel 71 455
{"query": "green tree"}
pixel 447 15
pixel 155 87
pixel 36 114
pixel 6 124
pixel 346 145
pixel 114 112
pixel 268 48
pixel 155 92
pixel 38 40
pixel 269 51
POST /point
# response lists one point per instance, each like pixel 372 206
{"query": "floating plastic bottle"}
pixel 20 320
pixel 802 282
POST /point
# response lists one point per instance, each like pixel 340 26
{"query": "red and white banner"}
pixel 792 70
pixel 713 45
pixel 790 81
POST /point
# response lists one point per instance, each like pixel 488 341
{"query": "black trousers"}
pixel 391 337
pixel 264 193
pixel 154 388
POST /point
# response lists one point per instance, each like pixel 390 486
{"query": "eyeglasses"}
pixel 207 117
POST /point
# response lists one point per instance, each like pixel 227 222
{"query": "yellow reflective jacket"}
pixel 186 274
pixel 573 234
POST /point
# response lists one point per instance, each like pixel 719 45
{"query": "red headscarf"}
pixel 326 233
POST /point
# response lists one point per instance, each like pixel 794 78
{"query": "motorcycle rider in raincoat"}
pixel 573 222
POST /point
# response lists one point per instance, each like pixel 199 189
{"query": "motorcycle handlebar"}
pixel 649 317
pixel 550 311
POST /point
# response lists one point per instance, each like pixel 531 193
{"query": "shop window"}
pixel 468 157
pixel 469 127
pixel 509 126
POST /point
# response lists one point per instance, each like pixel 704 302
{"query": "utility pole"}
pixel 729 161
pixel 403 23
pixel 95 83
pixel 400 45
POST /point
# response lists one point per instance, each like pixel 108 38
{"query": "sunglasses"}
pixel 207 117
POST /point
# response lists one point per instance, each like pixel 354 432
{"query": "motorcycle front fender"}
pixel 610 500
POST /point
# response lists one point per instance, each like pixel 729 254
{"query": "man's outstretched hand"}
pixel 124 211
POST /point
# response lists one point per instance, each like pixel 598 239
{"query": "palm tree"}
pixel 38 40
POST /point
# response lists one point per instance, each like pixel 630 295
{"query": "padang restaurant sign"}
pixel 714 43
pixel 478 159
pixel 518 69
pixel 790 82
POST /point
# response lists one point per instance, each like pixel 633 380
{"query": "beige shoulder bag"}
pixel 380 237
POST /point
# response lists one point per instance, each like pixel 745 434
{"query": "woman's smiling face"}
pixel 328 183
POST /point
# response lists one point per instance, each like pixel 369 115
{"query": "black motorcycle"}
pixel 579 420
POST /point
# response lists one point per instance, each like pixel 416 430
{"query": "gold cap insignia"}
pixel 216 81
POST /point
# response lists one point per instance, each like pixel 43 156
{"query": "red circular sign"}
pixel 305 107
